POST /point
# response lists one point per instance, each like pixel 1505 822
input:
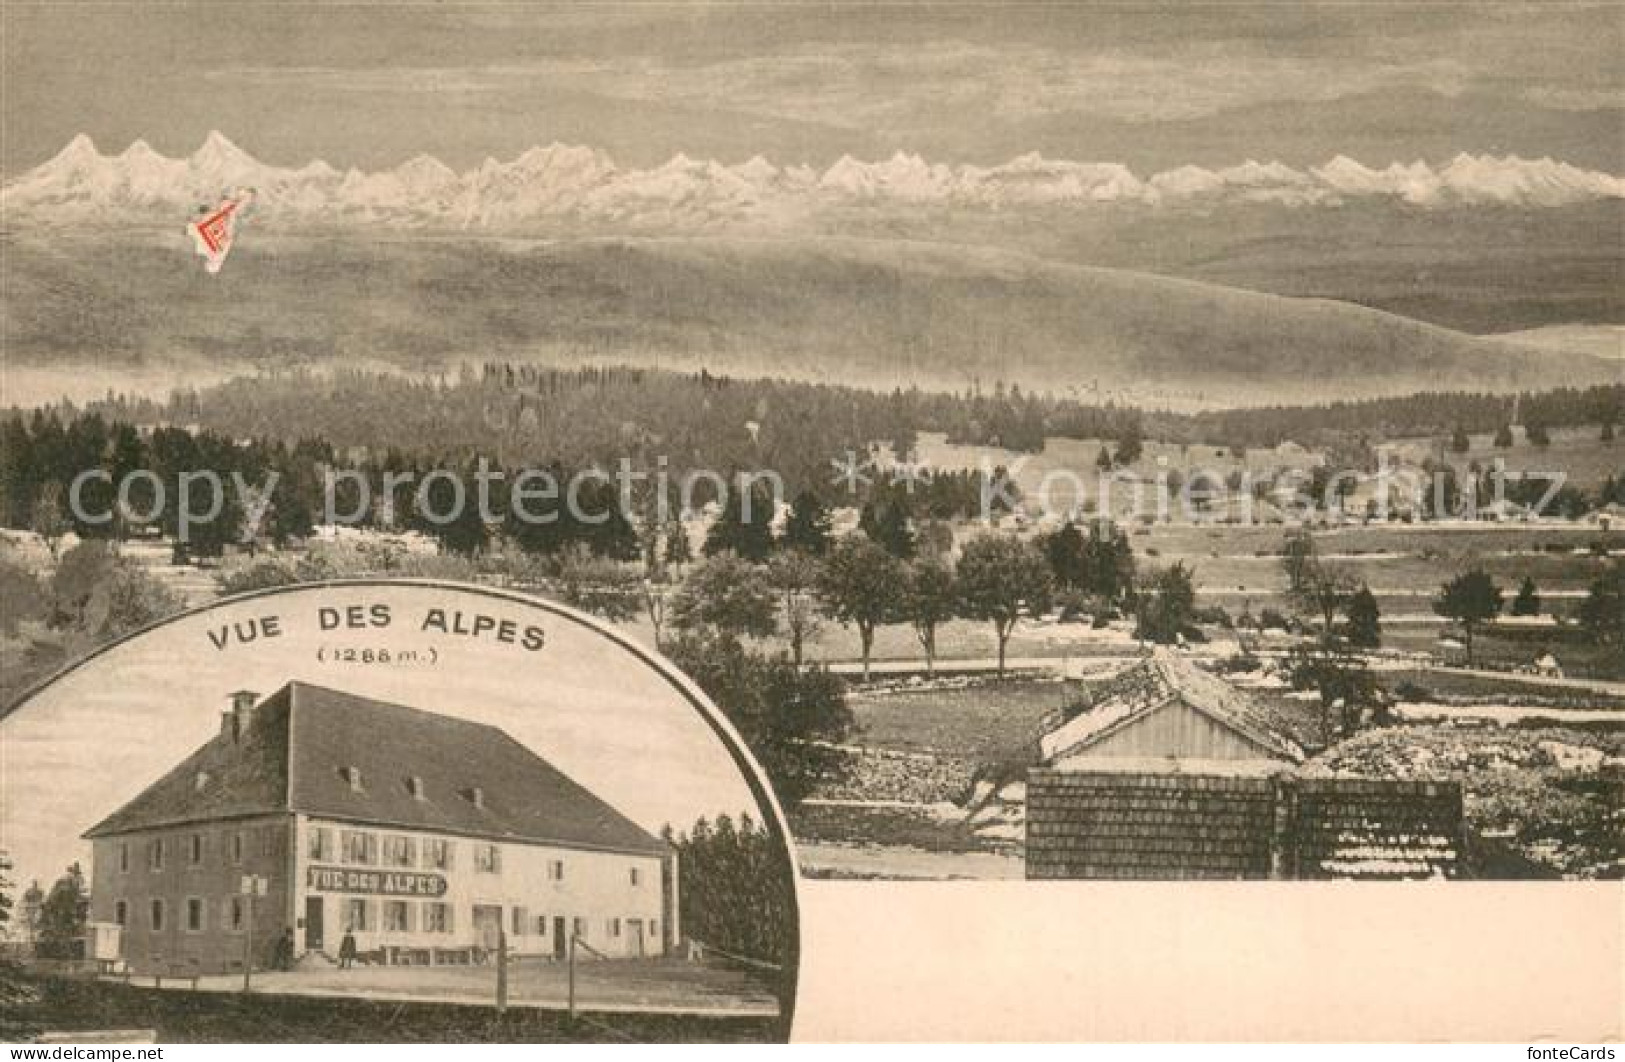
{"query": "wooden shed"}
pixel 1167 713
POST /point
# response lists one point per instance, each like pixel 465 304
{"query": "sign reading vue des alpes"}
pixel 374 882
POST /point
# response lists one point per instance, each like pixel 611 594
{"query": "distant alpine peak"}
pixel 558 181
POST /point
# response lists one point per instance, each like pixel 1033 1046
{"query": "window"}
pixel 156 916
pixel 236 913
pixel 555 870
pixel 437 917
pixel 270 840
pixel 121 912
pixel 614 926
pixel 359 847
pixel 237 849
pixel 654 928
pixel 521 921
pixel 400 851
pixel 319 844
pixel 397 916
pixel 541 925
pixel 155 854
pixel 355 915
pixel 194 915
pixel 580 927
pixel 487 859
pixel 437 853
pixel 633 874
pixel 124 858
pixel 194 849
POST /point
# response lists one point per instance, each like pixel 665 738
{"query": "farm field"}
pixel 994 723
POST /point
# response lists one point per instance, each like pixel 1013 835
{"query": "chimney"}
pixel 241 715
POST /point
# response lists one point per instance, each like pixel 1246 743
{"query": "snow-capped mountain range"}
pixel 563 183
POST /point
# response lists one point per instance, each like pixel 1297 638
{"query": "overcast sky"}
pixel 1153 87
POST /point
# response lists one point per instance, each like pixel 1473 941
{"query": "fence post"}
pixel 572 977
pixel 248 946
pixel 502 972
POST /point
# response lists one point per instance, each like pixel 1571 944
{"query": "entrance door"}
pixel 561 944
pixel 636 925
pixel 488 925
pixel 313 923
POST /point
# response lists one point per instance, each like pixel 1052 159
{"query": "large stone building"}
pixel 421 834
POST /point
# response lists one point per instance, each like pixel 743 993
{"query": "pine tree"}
pixel 1130 444
pixel 1065 552
pixel 1527 601
pixel 807 528
pixel 677 549
pixel 893 532
pixel 1471 599
pixel 745 525
pixel 1365 619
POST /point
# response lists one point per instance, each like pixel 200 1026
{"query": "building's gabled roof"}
pixel 523 796
pixel 238 779
pixel 1162 679
pixel 307 742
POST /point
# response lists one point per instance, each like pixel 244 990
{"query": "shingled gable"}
pixel 307 743
pixel 1162 679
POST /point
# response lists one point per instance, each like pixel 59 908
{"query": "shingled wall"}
pixel 1109 825
pixel 1375 828
pixel 1142 826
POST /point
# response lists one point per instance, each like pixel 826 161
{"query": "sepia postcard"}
pixel 665 522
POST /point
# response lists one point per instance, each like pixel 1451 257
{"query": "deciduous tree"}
pixel 999 576
pixel 794 577
pixel 863 585
pixel 726 597
pixel 932 600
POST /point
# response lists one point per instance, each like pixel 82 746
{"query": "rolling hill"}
pixel 867 311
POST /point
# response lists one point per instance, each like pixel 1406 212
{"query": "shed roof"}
pixel 1162 679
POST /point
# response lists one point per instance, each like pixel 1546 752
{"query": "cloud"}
pixel 884 87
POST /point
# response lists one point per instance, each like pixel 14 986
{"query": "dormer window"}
pixel 476 796
pixel 352 776
pixel 414 786
pixel 201 781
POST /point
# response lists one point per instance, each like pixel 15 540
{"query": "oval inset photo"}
pixel 387 811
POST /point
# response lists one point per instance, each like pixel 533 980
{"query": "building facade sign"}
pixel 375 882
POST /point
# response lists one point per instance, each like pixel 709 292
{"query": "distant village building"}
pixel 422 835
